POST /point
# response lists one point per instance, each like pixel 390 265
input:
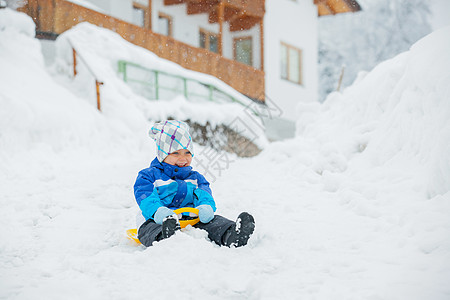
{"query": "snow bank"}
pixel 382 151
pixel 13 23
pixel 368 173
pixel 396 117
pixel 355 207
pixel 40 120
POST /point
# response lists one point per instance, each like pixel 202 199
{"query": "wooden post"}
pixel 74 53
pixel 149 12
pixel 340 79
pixel 261 38
pixel 97 88
pixel 47 15
pixel 221 19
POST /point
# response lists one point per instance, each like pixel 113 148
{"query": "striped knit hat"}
pixel 171 136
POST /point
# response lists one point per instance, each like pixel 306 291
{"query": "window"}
pixel 243 50
pixel 138 16
pixel 291 63
pixel 141 15
pixel 209 40
pixel 164 24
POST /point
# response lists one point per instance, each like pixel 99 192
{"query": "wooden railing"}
pixel 252 7
pixel 98 83
pixel 53 17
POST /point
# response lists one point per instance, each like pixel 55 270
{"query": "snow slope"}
pixel 355 207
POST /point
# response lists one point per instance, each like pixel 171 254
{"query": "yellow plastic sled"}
pixel 133 235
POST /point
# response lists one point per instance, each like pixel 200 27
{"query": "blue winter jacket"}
pixel 166 185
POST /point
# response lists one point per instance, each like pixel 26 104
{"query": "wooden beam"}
pixel 149 11
pixel 74 56
pixel 229 13
pixel 338 6
pixel 332 7
pixel 324 9
pixel 173 2
pixel 343 6
pixel 221 19
pixel 196 7
pixel 232 7
pixel 261 39
pixel 317 2
pixel 46 8
pixel 243 23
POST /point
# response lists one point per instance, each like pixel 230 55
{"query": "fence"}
pixel 98 83
pixel 155 84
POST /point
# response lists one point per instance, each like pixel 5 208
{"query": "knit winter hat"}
pixel 171 136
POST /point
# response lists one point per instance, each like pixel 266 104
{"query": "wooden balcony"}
pixel 333 7
pixel 241 14
pixel 53 17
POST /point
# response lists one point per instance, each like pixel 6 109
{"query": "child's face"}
pixel 180 158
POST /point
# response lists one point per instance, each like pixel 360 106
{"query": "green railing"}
pixel 155 84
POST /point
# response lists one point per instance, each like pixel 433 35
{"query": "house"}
pixel 265 49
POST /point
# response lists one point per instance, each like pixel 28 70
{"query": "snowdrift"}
pixel 375 157
pixel 395 118
pixel 355 207
pixel 42 121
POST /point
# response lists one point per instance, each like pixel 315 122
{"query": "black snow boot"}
pixel 239 233
pixel 169 226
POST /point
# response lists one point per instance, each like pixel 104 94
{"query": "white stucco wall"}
pixel 294 23
pixel 185 28
pixel 121 9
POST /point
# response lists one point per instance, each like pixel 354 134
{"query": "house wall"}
pixel 294 23
pixel 186 29
pixel 254 33
pixel 121 9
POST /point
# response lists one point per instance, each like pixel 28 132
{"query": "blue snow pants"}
pixel 150 232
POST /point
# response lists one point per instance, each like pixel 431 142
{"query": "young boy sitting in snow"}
pixel 170 183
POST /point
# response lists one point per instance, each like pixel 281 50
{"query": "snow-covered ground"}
pixel 355 207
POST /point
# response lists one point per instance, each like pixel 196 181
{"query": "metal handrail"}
pixel 122 68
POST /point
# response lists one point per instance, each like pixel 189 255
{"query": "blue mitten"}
pixel 205 213
pixel 161 214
